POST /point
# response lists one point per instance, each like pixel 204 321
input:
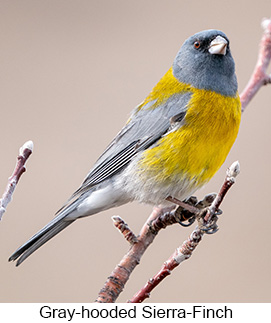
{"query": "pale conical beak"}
pixel 218 46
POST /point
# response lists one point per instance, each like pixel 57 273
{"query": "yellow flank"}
pixel 199 147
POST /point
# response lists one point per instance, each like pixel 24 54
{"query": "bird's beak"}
pixel 218 46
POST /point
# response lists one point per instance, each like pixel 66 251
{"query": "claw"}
pixel 211 230
pixel 184 217
pixel 186 210
pixel 209 227
pixel 190 221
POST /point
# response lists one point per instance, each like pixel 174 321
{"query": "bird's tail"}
pixel 58 224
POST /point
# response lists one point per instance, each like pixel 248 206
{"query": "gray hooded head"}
pixel 205 62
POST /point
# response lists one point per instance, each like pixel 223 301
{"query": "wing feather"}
pixel 146 126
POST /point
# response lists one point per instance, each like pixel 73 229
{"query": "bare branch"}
pixel 124 229
pixel 259 76
pixel 186 249
pixel 182 253
pixel 120 275
pixel 24 153
pixel 159 219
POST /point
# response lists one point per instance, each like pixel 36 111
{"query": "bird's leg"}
pixel 191 209
pixel 186 210
pixel 207 226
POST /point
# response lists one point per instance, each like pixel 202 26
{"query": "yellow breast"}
pixel 200 146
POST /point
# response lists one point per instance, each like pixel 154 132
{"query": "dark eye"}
pixel 197 44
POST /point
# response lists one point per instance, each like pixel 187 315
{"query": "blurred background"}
pixel 71 72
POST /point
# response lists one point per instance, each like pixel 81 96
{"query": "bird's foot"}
pixel 185 215
pixel 191 209
pixel 208 226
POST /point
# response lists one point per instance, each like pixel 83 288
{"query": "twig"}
pixel 259 76
pixel 182 253
pixel 184 205
pixel 124 229
pixel 186 249
pixel 24 153
pixel 120 275
pixel 159 219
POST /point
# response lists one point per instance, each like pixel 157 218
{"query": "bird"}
pixel 172 144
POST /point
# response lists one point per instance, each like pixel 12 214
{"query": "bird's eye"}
pixel 197 44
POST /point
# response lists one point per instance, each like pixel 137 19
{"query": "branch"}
pixel 162 217
pixel 120 275
pixel 24 153
pixel 124 229
pixel 186 249
pixel 259 76
pixel 159 219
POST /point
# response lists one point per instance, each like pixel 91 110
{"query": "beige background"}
pixel 71 71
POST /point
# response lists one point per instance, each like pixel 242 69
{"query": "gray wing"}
pixel 145 127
